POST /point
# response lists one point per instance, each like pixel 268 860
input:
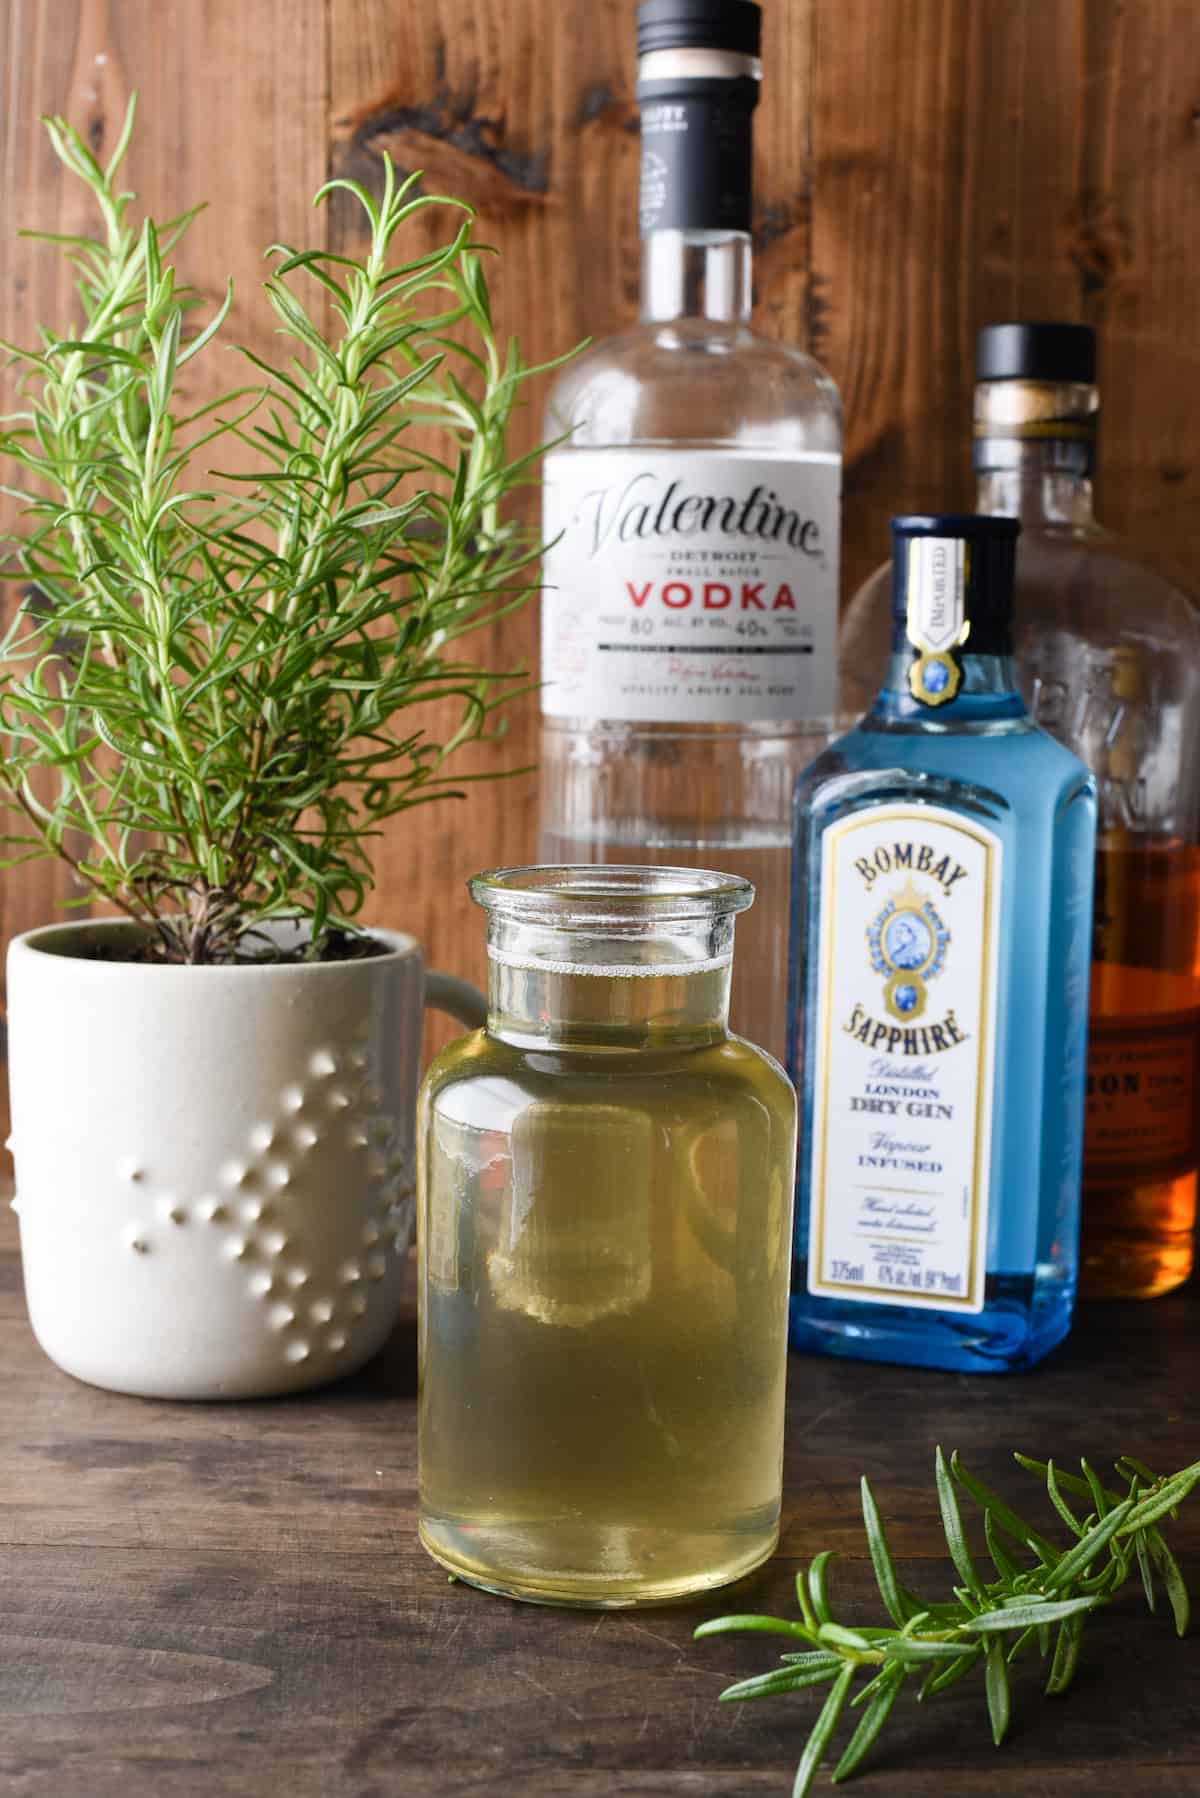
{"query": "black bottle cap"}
pixel 971 526
pixel 952 594
pixel 1027 352
pixel 699 25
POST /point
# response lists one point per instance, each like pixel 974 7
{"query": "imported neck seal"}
pixel 952 578
pixel 698 80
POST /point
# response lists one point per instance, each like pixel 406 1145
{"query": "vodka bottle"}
pixel 690 598
pixel 943 912
pixel 1109 661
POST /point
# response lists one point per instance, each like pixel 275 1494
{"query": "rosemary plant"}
pixel 1037 1601
pixel 211 695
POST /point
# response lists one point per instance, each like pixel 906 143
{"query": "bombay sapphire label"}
pixel 904 1050
pixel 689 587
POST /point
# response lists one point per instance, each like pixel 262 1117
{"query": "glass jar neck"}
pixel 1036 491
pixel 552 989
pixel 609 958
pixel 696 275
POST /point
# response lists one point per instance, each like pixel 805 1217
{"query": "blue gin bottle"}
pixel 940 947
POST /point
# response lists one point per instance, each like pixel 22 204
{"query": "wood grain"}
pixel 1014 158
pixel 527 114
pixel 921 169
pixel 38 65
pixel 206 1601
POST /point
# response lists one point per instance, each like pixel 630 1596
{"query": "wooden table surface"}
pixel 230 1599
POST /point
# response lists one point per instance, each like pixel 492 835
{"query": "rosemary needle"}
pixel 1038 1600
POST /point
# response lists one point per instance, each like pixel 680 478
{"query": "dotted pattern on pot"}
pixel 249 1213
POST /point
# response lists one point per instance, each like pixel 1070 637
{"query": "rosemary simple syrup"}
pixel 604 1275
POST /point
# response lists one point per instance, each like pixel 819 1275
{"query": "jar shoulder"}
pixel 487 1082
pixel 463 1059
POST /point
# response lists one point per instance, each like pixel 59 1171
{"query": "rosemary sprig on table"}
pixel 1038 1600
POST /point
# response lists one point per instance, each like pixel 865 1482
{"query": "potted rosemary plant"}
pixel 211 697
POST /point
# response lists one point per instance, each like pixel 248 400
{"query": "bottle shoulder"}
pixel 1101 558
pixel 1015 766
pixel 1077 598
pixel 1083 579
pixel 700 382
pixel 1080 594
pixel 864 642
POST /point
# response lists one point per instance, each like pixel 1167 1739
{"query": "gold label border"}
pixel 833 837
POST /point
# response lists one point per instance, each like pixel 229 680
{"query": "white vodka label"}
pixel 689 586
pixel 904 1051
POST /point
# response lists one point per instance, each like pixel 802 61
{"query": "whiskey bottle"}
pixel 689 609
pixel 940 973
pixel 1109 658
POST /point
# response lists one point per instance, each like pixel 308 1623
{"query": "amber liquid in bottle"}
pixel 1141 1146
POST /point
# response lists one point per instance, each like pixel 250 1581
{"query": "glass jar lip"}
pixel 578 896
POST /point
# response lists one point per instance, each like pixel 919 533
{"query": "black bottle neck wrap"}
pixel 952 592
pixel 697 145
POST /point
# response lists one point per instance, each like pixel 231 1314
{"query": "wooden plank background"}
pixel 923 166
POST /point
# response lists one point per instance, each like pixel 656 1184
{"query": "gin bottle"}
pixel 1108 652
pixel 943 912
pixel 690 597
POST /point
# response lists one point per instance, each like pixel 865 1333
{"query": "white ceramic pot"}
pixel 215 1165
